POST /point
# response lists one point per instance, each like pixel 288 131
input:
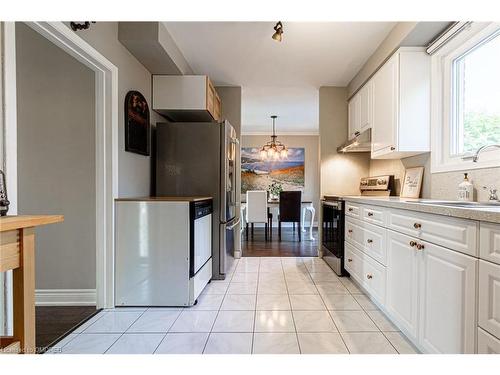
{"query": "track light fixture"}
pixel 278 32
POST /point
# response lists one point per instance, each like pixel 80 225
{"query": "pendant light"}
pixel 274 150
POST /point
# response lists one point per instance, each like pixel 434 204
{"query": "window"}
pixel 476 97
pixel 465 105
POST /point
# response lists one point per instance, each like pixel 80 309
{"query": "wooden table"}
pixel 274 205
pixel 17 253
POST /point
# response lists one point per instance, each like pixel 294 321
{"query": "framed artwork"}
pixel 258 174
pixel 137 126
pixel 412 183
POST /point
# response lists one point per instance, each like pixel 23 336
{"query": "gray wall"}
pixel 311 145
pixel 134 170
pixel 340 173
pixel 56 159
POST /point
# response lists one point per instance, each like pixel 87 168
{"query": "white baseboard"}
pixel 65 297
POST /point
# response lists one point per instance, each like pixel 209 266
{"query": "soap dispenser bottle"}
pixel 466 190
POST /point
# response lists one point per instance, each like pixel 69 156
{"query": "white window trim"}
pixel 441 103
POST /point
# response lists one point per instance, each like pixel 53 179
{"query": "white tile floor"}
pixel 266 306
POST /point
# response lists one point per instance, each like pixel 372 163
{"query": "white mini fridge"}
pixel 163 251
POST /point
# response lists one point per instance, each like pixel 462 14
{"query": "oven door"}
pixel 333 233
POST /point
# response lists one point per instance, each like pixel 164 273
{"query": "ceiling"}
pixel 279 78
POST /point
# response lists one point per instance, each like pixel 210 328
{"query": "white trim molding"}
pixel 441 101
pixel 106 124
pixel 65 297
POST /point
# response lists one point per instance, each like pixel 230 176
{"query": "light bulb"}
pixel 263 154
pixel 276 156
pixel 270 152
pixel 284 153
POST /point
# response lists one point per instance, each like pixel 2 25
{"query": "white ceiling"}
pixel 278 78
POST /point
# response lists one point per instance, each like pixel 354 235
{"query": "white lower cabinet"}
pixel 423 277
pixel 486 343
pixel 402 283
pixel 489 297
pixel 370 274
pixel 431 293
pixel 447 294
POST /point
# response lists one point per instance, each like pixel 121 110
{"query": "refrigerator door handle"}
pixel 235 223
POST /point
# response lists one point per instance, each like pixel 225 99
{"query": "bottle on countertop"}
pixel 466 190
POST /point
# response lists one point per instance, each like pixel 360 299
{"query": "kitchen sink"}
pixel 458 203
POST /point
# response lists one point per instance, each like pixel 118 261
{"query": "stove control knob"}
pixel 381 182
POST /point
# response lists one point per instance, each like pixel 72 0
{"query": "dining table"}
pixel 274 204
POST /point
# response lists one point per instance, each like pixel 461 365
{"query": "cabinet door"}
pixel 385 106
pixel 353 113
pixel 366 106
pixel 402 282
pixel 489 297
pixel 447 322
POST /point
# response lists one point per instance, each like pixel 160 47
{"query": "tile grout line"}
pixel 291 310
pixel 255 310
pixel 333 320
pixel 119 337
pixel 218 311
pixel 166 333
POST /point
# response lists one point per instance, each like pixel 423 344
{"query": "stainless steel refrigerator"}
pixel 195 159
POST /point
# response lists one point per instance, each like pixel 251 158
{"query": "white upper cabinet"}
pixel 400 119
pixel 366 107
pixel 360 110
pixel 353 114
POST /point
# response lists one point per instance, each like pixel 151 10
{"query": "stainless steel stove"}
pixel 332 237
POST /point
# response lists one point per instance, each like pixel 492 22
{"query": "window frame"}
pixel 444 137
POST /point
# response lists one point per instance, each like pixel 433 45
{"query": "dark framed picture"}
pixel 137 126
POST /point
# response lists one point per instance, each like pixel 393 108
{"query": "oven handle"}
pixel 331 204
pixel 235 223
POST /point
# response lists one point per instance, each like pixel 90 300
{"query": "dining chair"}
pixel 256 211
pixel 290 210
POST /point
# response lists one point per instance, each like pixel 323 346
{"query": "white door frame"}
pixel 106 136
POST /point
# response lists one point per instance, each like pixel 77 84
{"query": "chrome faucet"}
pixel 481 149
pixel 493 193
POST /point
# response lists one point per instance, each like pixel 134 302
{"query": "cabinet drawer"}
pixel 489 242
pixel 375 279
pixel 353 210
pixel 374 215
pixel 489 297
pixel 370 239
pixel 453 233
pixel 486 343
pixel 367 272
pixel 353 262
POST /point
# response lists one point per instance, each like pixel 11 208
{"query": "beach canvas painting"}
pixel 258 174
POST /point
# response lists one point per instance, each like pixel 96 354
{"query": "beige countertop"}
pixel 490 214
pixel 162 199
